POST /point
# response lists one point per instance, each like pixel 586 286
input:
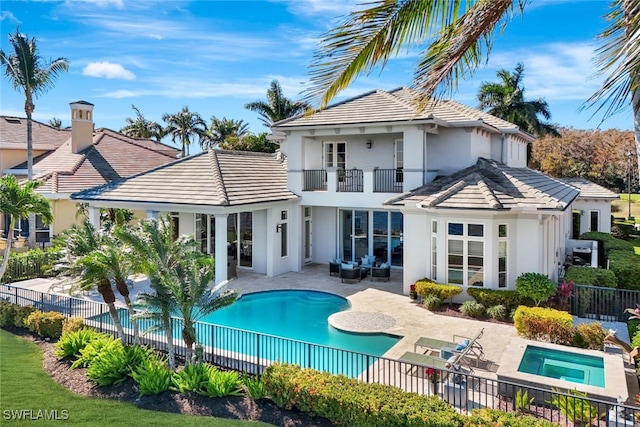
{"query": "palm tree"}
pixel 190 287
pixel 222 129
pixel 183 126
pixel 82 257
pixel 277 107
pixel 370 36
pixel 141 127
pixel 28 72
pixel 19 201
pixel 157 254
pixel 55 122
pixel 506 101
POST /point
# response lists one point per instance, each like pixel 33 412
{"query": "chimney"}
pixel 81 125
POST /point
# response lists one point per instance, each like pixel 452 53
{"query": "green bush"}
pixel 222 383
pixel 45 325
pixel 578 411
pixel 110 365
pixel 591 276
pixel 635 339
pixel 472 308
pixel 21 315
pixel 626 266
pixel 135 354
pixel 507 297
pixel 71 344
pixel 72 324
pixel 426 287
pixel 192 377
pixel 536 286
pixel 431 302
pixel 7 313
pixel 544 324
pixel 152 375
pixel 92 350
pixel 589 336
pixel 608 242
pixel 498 312
pixel 633 326
pixel 255 386
pixel 348 402
pixel 497 418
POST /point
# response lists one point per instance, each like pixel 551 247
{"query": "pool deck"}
pixel 376 306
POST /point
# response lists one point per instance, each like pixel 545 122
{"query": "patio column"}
pixel 94 216
pixel 368 178
pixel 220 253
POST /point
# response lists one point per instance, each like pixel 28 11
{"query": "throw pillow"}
pixel 346 266
pixel 461 346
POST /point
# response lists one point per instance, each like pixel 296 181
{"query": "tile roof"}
pixel 490 185
pixel 13 134
pixel 380 106
pixel 590 190
pixel 112 156
pixel 213 178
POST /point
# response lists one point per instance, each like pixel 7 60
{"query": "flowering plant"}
pixel 432 374
pixel 412 288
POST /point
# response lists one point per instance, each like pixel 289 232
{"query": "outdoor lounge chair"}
pixel 465 346
pixel 353 273
pixel 381 272
pixel 411 359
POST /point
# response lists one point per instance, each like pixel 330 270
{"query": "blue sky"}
pixel 215 56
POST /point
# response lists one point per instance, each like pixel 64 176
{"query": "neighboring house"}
pixel 84 159
pixel 592 207
pixel 444 194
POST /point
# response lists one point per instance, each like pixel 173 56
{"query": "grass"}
pixel 25 386
pixel 620 207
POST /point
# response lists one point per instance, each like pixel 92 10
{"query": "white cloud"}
pixel 107 70
pixel 6 15
pixel 100 3
pixel 332 8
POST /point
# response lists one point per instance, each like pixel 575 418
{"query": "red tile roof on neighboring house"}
pixel 112 156
pixel 13 134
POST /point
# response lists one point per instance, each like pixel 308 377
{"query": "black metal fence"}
pixel 604 304
pixel 29 266
pixel 350 180
pixel 252 352
pixel 314 180
pixel 387 180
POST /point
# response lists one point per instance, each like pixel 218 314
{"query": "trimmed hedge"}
pixel 544 324
pixel 609 242
pixel 490 297
pixel 46 324
pixel 495 417
pixel 626 266
pixel 591 276
pixel 349 402
pixel 426 287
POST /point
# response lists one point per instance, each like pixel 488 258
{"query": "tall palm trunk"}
pixel 122 288
pixel 104 287
pixel 7 249
pixel 167 321
pixel 28 108
pixel 188 335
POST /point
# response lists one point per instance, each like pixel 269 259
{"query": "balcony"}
pixel 353 180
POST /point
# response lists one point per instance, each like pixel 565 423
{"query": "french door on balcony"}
pixel 335 154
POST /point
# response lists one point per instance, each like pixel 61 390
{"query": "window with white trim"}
pixel 335 154
pixel 465 254
pixel 502 255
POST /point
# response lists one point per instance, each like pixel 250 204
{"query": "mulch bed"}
pixel 453 310
pixel 240 408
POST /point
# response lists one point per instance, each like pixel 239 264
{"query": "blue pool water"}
pixel 263 325
pixel 563 365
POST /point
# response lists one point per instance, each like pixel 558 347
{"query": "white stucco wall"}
pixel 416 248
pixel 259 241
pixel 325 226
pixel 586 206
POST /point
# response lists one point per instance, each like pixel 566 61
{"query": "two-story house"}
pixel 443 193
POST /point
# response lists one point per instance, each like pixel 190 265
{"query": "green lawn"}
pixel 25 386
pixel 620 207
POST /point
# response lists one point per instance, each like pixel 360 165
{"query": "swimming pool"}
pixel 563 365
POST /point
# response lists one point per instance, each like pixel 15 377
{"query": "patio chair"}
pixel 334 267
pixel 466 347
pixel 423 360
pixel 350 272
pixel 381 272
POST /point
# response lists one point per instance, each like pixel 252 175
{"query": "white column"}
pixel 368 172
pixel 94 216
pixel 221 248
pixel 332 179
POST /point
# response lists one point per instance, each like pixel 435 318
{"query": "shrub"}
pixel 490 297
pixel 72 324
pixel 346 401
pixel 608 242
pixel 7 313
pixel 92 350
pixel 589 336
pixel 426 287
pixel 591 276
pixel 496 417
pixel 522 402
pixel 635 339
pixel 431 302
pixel 191 377
pixel 498 312
pixel 633 326
pixel 578 411
pixel 626 266
pixel 536 286
pixel 72 343
pixel 135 354
pixel 110 365
pixel 21 315
pixel 46 325
pixel 152 375
pixel 255 386
pixel 222 383
pixel 472 308
pixel 544 324
pixel 560 301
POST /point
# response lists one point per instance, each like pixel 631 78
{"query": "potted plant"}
pixel 412 292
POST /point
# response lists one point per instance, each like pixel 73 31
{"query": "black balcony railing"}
pixel 314 180
pixel 252 352
pixel 350 181
pixel 387 180
pixel 605 304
